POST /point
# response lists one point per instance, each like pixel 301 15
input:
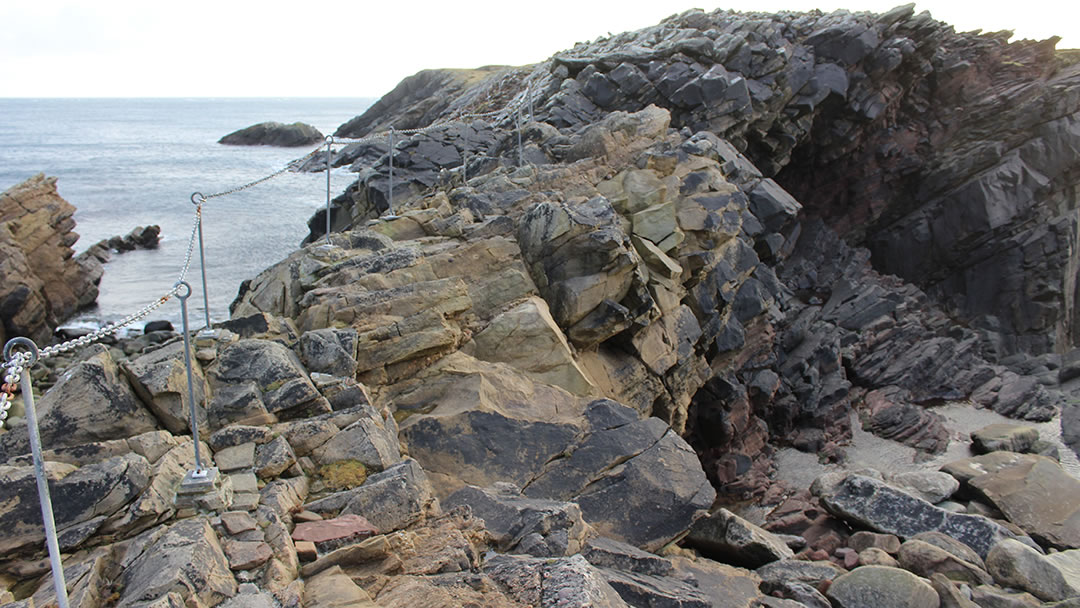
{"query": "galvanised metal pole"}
pixel 200 471
pixel 390 198
pixel 329 140
pixel 521 156
pixel 202 267
pixel 59 583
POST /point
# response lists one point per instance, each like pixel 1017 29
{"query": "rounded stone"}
pixel 882 587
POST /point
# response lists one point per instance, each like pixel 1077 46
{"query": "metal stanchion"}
pixel 201 476
pixel 198 199
pixel 521 154
pixel 59 583
pixel 390 196
pixel 528 93
pixel 465 154
pixel 329 141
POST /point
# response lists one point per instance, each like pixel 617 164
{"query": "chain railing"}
pixel 20 354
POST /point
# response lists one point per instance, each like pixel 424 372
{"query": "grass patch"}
pixel 343 474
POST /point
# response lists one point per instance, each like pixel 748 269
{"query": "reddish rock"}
pixel 330 534
pixel 246 555
pixel 237 522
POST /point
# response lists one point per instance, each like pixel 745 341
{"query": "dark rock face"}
pixel 274 134
pixel 951 156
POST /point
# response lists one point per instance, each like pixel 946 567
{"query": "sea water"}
pixel 134 162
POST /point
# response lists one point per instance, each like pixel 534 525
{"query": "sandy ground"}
pixel 799 469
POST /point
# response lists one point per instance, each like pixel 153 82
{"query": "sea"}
pixel 135 162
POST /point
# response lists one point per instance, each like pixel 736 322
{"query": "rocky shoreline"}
pixel 575 373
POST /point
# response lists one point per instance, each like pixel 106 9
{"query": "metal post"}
pixel 59 583
pixel 528 93
pixel 390 197
pixel 329 140
pixel 198 199
pixel 521 156
pixel 200 471
pixel 465 154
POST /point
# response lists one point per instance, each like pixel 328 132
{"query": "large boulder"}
pixel 274 134
pixel 527 338
pixel 71 413
pixel 538 527
pixel 882 587
pixel 160 380
pixel 569 582
pixel 586 267
pixel 1032 491
pixel 41 284
pixel 731 539
pixel 263 374
pixel 83 498
pixel 184 558
pixel 1014 564
pixel 475 423
pixel 391 500
pixel 876 505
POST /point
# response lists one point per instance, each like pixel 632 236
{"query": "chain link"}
pixel 11 381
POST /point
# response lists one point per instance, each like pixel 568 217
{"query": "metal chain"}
pixel 11 382
pixel 267 178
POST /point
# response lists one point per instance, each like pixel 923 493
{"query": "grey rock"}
pixel 274 134
pixel 368 440
pixel 639 589
pixel 82 499
pixel 330 351
pixel 568 582
pixel 390 500
pixel 612 554
pixel 273 458
pixel 235 435
pixel 876 505
pixel 538 527
pixel 1036 494
pixel 776 574
pixel 926 560
pixel 280 381
pixel 729 538
pixel 931 486
pixel 1004 437
pixel 994 597
pixel 160 380
pixel 236 457
pixel 185 558
pixel 882 587
pixel 1014 564
pixel 70 413
pixel 950 596
pixel 950 544
pixel 773 205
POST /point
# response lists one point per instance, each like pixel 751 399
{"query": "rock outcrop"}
pixel 42 284
pixel 274 134
pixel 559 373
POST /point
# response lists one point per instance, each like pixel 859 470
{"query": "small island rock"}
pixel 274 134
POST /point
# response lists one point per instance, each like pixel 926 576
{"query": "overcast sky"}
pixel 357 48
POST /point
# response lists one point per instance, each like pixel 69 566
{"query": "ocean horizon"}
pixel 127 162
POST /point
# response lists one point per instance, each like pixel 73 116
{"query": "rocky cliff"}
pixel 950 156
pixel 596 323
pixel 41 284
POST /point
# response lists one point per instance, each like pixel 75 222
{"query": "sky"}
pixel 360 48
